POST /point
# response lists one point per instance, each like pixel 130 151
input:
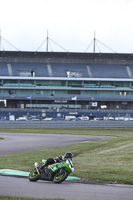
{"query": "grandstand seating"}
pixel 109 71
pixel 40 69
pixel 112 97
pixel 3 69
pixel 60 70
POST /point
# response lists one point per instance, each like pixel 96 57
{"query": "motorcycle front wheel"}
pixel 58 178
pixel 34 176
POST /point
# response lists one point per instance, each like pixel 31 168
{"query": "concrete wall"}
pixel 64 124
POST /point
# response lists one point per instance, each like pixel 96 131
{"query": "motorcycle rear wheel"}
pixel 58 178
pixel 34 176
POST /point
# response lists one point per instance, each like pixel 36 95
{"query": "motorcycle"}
pixel 56 172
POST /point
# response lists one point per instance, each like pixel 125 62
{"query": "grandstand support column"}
pixel 129 71
pixel 89 71
pixel 9 69
pixel 76 102
pixel 49 70
pixel 30 101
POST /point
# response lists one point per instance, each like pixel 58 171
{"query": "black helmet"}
pixel 68 155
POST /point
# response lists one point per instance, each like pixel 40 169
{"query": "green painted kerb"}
pixel 14 172
pixel 69 178
pixel 22 173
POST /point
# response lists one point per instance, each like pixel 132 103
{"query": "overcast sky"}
pixel 70 23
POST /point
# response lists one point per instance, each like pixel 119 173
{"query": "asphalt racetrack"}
pixel 20 142
pixel 70 190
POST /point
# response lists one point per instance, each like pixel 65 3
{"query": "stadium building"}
pixel 62 83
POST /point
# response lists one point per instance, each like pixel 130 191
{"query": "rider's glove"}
pixel 56 159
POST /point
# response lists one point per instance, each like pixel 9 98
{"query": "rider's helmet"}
pixel 68 155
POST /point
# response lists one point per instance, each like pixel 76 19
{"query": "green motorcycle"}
pixel 56 172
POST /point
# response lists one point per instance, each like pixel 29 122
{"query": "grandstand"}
pixel 58 83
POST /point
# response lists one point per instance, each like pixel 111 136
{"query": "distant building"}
pixel 60 80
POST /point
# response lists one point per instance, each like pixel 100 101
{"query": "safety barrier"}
pixel 64 124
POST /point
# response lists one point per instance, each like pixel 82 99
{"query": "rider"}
pixel 66 158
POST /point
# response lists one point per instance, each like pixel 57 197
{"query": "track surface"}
pixel 68 190
pixel 20 142
pixel 12 186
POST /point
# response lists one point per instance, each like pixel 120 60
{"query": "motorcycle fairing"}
pixel 56 166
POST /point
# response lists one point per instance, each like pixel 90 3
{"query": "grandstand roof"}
pixel 70 57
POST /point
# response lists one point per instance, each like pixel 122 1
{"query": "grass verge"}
pixel 107 160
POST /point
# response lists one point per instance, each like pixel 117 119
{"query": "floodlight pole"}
pixel 47 42
pixel 94 43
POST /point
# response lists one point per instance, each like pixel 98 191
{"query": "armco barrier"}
pixel 64 124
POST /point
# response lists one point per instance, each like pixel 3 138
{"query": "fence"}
pixel 64 124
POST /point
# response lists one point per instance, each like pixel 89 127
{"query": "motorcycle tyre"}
pixel 35 178
pixel 61 179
